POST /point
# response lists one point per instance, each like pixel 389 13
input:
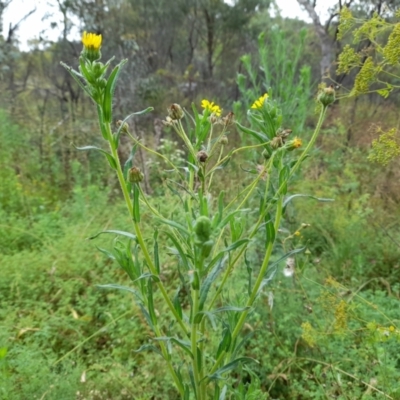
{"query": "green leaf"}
pixel 119 287
pixel 230 308
pixel 258 135
pixel 230 366
pixel 179 248
pixel 210 279
pixel 177 303
pixel 223 393
pixel 269 230
pixel 136 203
pixel 116 232
pixel 225 342
pixel 184 345
pixel 156 255
pixel 77 78
pixel 150 302
pixel 128 162
pixel 109 157
pixel 174 224
pixel 109 92
pixel 148 347
pixel 290 198
pixel 283 178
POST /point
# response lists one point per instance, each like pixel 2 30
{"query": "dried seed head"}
pixel 228 119
pixel 202 156
pixel 175 112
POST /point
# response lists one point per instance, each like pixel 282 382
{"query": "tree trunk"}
pixel 326 42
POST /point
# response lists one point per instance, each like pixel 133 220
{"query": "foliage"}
pixel 377 63
pixel 279 72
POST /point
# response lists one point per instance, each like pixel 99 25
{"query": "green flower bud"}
pixel 327 96
pixel 202 229
pixel 135 175
pixel 125 128
pixel 223 141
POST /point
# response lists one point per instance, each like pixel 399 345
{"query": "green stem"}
pixel 148 260
pixel 138 231
pixel 193 336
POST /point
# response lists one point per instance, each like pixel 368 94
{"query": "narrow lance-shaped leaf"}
pixel 290 198
pixel 109 157
pixel 225 342
pixel 269 230
pixel 156 255
pixel 136 204
pixel 150 302
pixel 77 78
pixel 116 232
pixel 283 178
pixel 258 135
pixel 109 92
pixel 228 367
pixel 211 277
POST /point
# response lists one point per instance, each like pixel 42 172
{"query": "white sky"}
pixel 39 23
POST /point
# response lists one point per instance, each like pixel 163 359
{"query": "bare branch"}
pixel 12 29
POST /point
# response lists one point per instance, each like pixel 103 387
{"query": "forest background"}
pixel 61 337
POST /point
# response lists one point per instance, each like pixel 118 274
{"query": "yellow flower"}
pixel 91 41
pixel 212 107
pixel 297 142
pixel 260 102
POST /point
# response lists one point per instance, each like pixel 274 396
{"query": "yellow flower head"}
pixel 91 41
pixel 297 142
pixel 260 102
pixel 212 107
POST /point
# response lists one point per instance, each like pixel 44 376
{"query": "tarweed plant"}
pixel 205 236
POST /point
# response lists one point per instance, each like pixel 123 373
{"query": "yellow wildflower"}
pixel 297 142
pixel 212 107
pixel 260 102
pixel 91 41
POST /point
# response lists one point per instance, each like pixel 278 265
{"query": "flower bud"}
pixel 223 140
pixel 327 96
pixel 202 156
pixel 125 127
pixel 91 46
pixel 135 175
pixel 175 112
pixel 228 119
pixel 294 144
pixel 276 142
pixel 202 229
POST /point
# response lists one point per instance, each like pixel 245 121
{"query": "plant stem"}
pixel 193 337
pixel 149 261
pixel 138 231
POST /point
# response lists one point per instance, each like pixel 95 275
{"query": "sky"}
pixel 39 23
